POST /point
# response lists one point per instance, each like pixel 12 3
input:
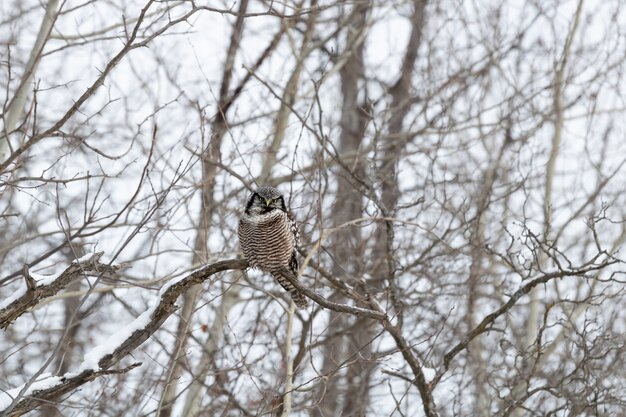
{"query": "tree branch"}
pixel 342 308
pixel 102 357
pixel 23 299
pixel 485 324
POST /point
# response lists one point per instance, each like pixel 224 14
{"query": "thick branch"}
pixel 38 397
pixel 101 358
pixel 166 306
pixel 22 300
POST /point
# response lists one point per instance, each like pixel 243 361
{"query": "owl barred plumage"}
pixel 269 236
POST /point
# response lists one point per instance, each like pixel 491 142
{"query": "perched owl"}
pixel 269 236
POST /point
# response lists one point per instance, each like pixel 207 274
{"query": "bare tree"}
pixel 455 168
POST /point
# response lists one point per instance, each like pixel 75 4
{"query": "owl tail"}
pixel 298 298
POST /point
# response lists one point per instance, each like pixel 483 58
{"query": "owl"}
pixel 269 236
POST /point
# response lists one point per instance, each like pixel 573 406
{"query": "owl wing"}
pixel 295 229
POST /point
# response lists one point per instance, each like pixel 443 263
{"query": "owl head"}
pixel 265 200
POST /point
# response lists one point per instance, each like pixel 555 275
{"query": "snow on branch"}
pixel 100 359
pixel 97 362
pixel 39 287
pixel 47 388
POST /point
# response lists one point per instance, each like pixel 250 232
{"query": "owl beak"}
pixel 267 203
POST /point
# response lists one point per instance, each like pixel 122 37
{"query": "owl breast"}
pixel 267 240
